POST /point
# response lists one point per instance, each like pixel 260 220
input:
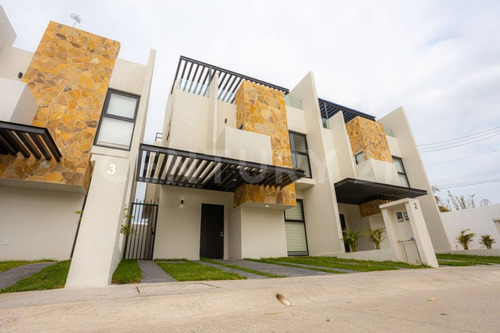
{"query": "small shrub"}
pixel 465 238
pixel 351 238
pixel 487 241
pixel 376 236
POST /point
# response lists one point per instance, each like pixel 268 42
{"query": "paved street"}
pixel 455 299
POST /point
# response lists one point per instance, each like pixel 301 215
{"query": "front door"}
pixel 212 231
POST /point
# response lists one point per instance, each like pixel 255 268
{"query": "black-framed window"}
pixel 116 127
pixel 295 227
pixel 300 153
pixel 360 157
pixel 403 178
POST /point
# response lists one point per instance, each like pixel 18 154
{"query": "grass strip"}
pixel 51 277
pixel 397 264
pixel 249 270
pixel 192 271
pixel 469 258
pixel 297 266
pixel 6 265
pixel 455 263
pixel 128 271
pixel 321 262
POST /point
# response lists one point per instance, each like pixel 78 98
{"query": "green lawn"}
pixel 191 271
pixel 5 265
pixel 465 260
pixel 128 271
pixel 249 270
pixel 51 277
pixel 333 262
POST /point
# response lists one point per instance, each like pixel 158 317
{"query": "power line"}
pixel 469 175
pixel 461 159
pixel 470 183
pixel 459 138
pixel 459 145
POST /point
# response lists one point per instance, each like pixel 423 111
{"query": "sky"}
pixel 440 60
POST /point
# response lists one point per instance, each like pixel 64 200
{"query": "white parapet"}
pixel 18 103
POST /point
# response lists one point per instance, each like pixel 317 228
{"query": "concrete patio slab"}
pixel 275 269
pixel 11 276
pixel 248 275
pixel 152 273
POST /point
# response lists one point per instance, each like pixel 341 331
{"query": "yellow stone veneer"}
pixel 262 110
pixel 368 136
pixel 68 76
pixel 371 207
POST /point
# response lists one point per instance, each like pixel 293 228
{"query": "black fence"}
pixel 140 240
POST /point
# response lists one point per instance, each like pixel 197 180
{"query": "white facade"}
pixel 204 124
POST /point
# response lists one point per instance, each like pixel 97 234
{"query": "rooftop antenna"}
pixel 77 19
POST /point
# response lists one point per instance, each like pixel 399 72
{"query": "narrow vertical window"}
pixel 300 153
pixel 116 127
pixel 403 178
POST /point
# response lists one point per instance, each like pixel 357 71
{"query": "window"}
pixel 117 120
pixel 497 224
pixel 359 157
pixel 295 227
pixel 401 171
pixel 300 153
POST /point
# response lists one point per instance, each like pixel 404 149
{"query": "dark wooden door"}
pixel 343 226
pixel 212 231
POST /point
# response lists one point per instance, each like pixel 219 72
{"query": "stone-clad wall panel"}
pixel 262 110
pixel 68 76
pixel 368 136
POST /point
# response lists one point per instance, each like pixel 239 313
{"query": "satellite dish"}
pixel 77 19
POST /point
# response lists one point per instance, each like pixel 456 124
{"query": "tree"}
pixel 442 207
pixel 376 236
pixel 487 241
pixel 351 238
pixel 465 238
pixel 460 203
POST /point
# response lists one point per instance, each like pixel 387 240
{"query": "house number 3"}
pixel 111 169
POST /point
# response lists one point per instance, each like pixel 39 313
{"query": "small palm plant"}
pixel 376 236
pixel 465 238
pixel 351 238
pixel 487 241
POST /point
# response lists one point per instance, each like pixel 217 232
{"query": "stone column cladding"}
pixel 368 136
pixel 262 110
pixel 68 76
pixel 371 207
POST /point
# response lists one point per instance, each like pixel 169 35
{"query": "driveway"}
pixel 431 300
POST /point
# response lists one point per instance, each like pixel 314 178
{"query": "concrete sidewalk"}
pixel 431 300
pixel 11 276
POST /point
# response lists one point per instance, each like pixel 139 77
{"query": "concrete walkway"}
pixel 152 273
pixel 457 299
pixel 248 275
pixel 11 276
pixel 275 269
pixel 321 267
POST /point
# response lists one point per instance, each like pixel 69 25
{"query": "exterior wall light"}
pixel 182 202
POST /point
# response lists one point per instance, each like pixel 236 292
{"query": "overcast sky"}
pixel 438 59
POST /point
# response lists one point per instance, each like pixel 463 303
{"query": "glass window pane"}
pixel 122 106
pixel 399 165
pixel 360 157
pixel 299 142
pixel 403 180
pixel 115 133
pixel 294 213
pixel 302 162
pixel 296 238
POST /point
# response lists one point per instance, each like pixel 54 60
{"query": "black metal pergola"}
pixel 357 191
pixel 329 109
pixel 167 166
pixel 198 75
pixel 27 140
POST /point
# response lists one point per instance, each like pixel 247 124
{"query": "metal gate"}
pixel 140 240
